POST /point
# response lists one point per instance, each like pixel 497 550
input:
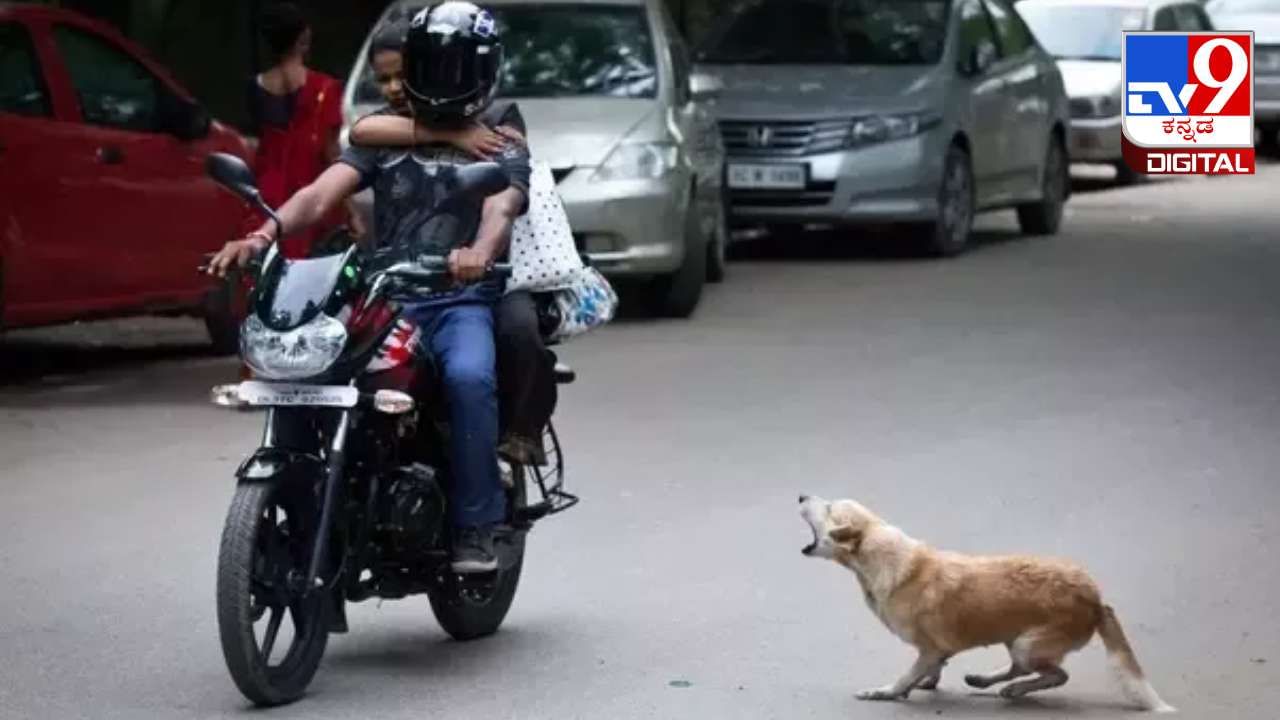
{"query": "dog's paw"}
pixel 1012 691
pixel 883 693
pixel 977 681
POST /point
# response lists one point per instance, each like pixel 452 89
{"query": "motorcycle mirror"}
pixel 232 173
pixel 480 180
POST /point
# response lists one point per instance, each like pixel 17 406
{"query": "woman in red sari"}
pixel 297 114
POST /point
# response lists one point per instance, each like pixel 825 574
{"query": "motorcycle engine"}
pixel 411 508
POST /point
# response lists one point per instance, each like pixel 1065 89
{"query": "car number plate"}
pixel 767 177
pixel 262 394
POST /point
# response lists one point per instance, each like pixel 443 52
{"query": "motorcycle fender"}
pixel 278 464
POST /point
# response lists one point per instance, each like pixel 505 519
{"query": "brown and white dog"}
pixel 945 603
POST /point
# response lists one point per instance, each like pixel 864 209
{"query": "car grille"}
pixel 784 138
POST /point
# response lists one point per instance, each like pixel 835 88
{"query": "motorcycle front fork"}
pixel 334 466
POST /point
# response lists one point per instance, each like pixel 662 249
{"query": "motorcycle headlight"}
pixel 303 352
pixel 639 161
pixel 882 128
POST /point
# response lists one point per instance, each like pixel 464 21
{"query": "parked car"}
pixel 606 89
pixel 1263 18
pixel 1085 37
pixel 889 111
pixel 107 209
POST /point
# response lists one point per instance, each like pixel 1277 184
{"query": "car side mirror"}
pixel 233 174
pixel 977 60
pixel 703 86
pixel 184 119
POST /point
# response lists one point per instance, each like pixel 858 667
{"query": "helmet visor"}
pixel 445 67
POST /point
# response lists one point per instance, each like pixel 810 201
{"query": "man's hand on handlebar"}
pixel 238 253
pixel 468 265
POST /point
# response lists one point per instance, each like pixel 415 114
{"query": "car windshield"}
pixel 1244 6
pixel 1080 32
pixel 564 50
pixel 833 32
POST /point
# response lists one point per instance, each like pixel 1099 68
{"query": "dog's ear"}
pixel 848 537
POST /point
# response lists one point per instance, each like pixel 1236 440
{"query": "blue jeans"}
pixel 460 338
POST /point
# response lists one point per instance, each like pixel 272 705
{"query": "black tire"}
pixel 1269 142
pixel 472 607
pixel 1126 176
pixel 949 234
pixel 1044 217
pixel 221 320
pixel 718 246
pixel 677 295
pixel 242 568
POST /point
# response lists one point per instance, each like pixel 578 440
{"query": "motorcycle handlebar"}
pixel 431 269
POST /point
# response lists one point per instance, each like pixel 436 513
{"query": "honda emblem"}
pixel 760 136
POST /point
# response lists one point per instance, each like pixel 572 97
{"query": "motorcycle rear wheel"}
pixel 472 607
pixel 262 565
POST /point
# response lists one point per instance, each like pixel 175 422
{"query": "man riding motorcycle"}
pixel 526 384
pixel 452 57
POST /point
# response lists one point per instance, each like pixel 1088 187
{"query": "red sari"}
pixel 290 158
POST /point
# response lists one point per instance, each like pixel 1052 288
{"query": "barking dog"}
pixel 945 603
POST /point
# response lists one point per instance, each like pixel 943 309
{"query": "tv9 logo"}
pixel 1188 102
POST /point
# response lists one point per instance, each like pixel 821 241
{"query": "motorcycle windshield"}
pixel 292 293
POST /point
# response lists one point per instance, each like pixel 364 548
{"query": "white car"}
pixel 1263 18
pixel 1085 37
pixel 612 105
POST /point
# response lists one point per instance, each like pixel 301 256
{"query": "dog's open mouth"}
pixel 813 545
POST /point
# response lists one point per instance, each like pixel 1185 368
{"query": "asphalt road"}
pixel 1109 394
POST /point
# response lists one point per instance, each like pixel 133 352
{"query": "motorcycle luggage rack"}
pixel 549 479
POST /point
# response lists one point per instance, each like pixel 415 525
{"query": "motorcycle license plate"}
pixel 262 394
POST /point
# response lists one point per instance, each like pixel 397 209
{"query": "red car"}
pixel 105 209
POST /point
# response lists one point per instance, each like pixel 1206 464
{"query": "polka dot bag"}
pixel 543 255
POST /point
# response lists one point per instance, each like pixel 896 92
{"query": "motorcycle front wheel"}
pixel 469 607
pixel 273 635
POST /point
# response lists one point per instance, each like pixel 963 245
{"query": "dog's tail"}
pixel 1125 664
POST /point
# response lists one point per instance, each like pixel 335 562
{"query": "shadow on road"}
pixel 24 360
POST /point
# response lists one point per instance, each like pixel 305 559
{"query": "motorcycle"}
pixel 347 497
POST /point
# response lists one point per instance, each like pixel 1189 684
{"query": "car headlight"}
pixel 1098 106
pixel 1267 60
pixel 882 128
pixel 303 352
pixel 639 161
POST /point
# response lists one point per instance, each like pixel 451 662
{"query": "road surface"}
pixel 1110 394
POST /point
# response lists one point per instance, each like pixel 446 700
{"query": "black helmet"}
pixel 452 55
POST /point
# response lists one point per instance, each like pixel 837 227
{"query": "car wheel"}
pixel 677 294
pixel 1 294
pixel 1044 217
pixel 949 234
pixel 1126 176
pixel 221 319
pixel 718 246
pixel 1269 143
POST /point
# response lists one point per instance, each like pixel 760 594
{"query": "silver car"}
pixel 1084 36
pixel 1263 18
pixel 890 111
pixel 606 90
